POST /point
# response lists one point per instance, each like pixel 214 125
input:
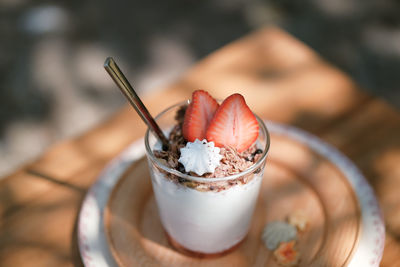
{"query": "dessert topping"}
pixel 276 232
pixel 233 125
pixel 200 157
pixel 286 254
pixel 298 219
pixel 198 115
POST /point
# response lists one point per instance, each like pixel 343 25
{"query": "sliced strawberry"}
pixel 198 115
pixel 233 125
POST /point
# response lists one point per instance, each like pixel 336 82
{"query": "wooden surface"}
pixel 295 178
pixel 282 80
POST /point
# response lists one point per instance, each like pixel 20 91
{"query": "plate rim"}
pixel 94 248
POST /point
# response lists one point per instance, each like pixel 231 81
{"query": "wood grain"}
pixel 281 78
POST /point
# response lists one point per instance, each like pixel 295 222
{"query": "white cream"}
pixel 200 157
pixel 207 222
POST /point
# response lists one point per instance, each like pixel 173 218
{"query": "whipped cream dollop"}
pixel 200 157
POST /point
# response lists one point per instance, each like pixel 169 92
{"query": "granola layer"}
pixel 232 162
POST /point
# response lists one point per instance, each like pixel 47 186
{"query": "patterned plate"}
pixel 367 240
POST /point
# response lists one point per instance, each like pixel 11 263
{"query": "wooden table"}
pixel 282 80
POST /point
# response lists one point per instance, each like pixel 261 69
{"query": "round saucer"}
pixel 119 224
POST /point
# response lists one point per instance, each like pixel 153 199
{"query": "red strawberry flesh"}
pixel 234 124
pixel 198 115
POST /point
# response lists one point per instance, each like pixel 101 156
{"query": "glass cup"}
pixel 204 216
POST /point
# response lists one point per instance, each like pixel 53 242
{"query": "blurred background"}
pixel 53 85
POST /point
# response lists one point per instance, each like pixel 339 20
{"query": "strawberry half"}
pixel 233 125
pixel 198 116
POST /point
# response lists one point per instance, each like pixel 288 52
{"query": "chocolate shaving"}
pixel 180 114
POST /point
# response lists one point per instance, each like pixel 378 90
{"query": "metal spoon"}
pixel 126 88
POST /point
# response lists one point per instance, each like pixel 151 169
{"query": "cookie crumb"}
pixel 299 220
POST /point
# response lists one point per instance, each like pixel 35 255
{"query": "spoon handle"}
pixel 119 78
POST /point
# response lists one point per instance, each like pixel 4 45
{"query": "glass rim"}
pixel 252 168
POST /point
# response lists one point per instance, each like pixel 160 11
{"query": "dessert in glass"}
pixel 206 183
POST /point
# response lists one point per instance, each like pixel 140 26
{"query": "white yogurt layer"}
pixel 207 222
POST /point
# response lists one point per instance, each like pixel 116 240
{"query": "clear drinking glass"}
pixel 204 216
